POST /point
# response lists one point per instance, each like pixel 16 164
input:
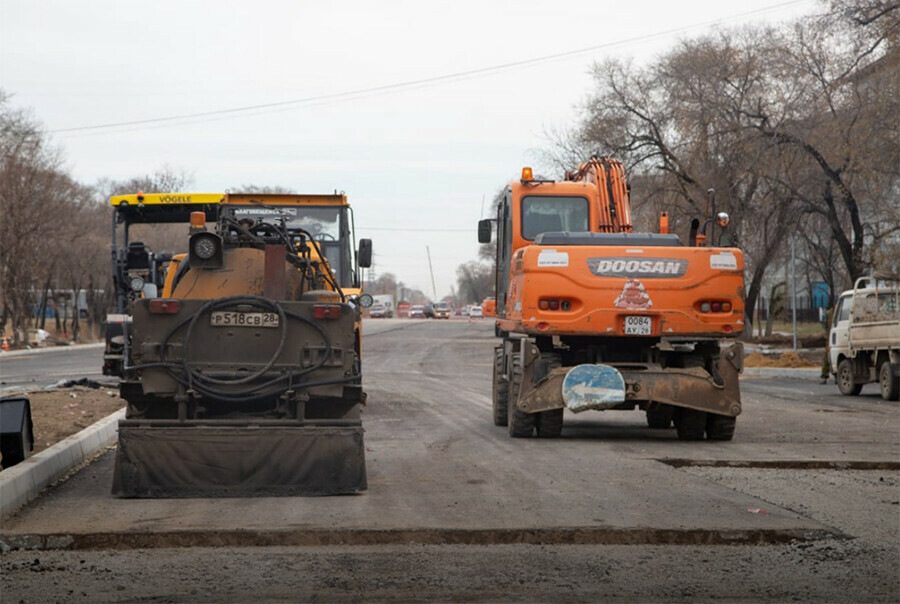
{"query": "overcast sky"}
pixel 419 162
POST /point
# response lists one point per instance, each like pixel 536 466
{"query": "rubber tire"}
pixel 519 424
pixel 500 390
pixel 659 416
pixel 690 424
pixel 844 378
pixel 720 427
pixel 890 383
pixel 549 423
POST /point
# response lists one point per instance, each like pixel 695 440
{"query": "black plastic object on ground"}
pixel 232 461
pixel 16 430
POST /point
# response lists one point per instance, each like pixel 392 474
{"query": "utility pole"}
pixel 433 288
pixel 793 295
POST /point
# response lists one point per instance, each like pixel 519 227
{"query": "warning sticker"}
pixel 553 258
pixel 634 296
pixel 723 260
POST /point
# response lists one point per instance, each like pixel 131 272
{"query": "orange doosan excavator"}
pixel 595 316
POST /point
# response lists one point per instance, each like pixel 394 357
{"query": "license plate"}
pixel 228 318
pixel 638 326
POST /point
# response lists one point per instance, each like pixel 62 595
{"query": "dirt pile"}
pixel 57 414
pixel 787 359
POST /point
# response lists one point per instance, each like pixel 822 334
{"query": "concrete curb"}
pixel 22 482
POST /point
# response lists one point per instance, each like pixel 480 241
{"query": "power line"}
pixel 368 228
pixel 249 110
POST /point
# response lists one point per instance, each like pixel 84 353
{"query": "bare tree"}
pixel 263 189
pixel 791 128
pixel 34 194
pixel 474 281
pixel 165 180
pixel 838 115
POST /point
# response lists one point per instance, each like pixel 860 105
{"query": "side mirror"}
pixel 722 219
pixel 366 300
pixel 364 256
pixel 484 231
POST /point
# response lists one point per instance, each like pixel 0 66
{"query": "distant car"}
pixel 416 312
pixel 476 312
pixel 377 311
pixel 441 310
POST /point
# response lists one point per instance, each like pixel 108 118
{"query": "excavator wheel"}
pixel 720 427
pixel 500 390
pixel 520 424
pixel 659 416
pixel 690 424
pixel 549 423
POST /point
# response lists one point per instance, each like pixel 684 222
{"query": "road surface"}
pixel 39 368
pixel 803 504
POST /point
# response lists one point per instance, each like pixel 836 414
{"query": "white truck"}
pixel 865 337
pixel 387 301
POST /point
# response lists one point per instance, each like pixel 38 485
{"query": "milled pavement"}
pixel 405 503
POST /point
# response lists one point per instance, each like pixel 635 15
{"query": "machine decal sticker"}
pixel 553 258
pixel 634 296
pixel 630 267
pixel 265 211
pixel 723 260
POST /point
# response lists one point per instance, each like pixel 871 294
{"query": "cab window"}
pixel 544 214
pixel 843 311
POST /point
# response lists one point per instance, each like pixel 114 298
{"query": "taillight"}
pixel 717 306
pixel 327 311
pixel 554 304
pixel 163 306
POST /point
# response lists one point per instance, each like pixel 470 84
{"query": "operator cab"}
pixel 553 214
pixel 329 226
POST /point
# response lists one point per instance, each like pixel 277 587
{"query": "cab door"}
pixel 839 338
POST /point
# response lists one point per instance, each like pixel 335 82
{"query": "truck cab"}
pixel 864 341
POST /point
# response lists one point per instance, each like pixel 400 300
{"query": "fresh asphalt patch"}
pixel 787 464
